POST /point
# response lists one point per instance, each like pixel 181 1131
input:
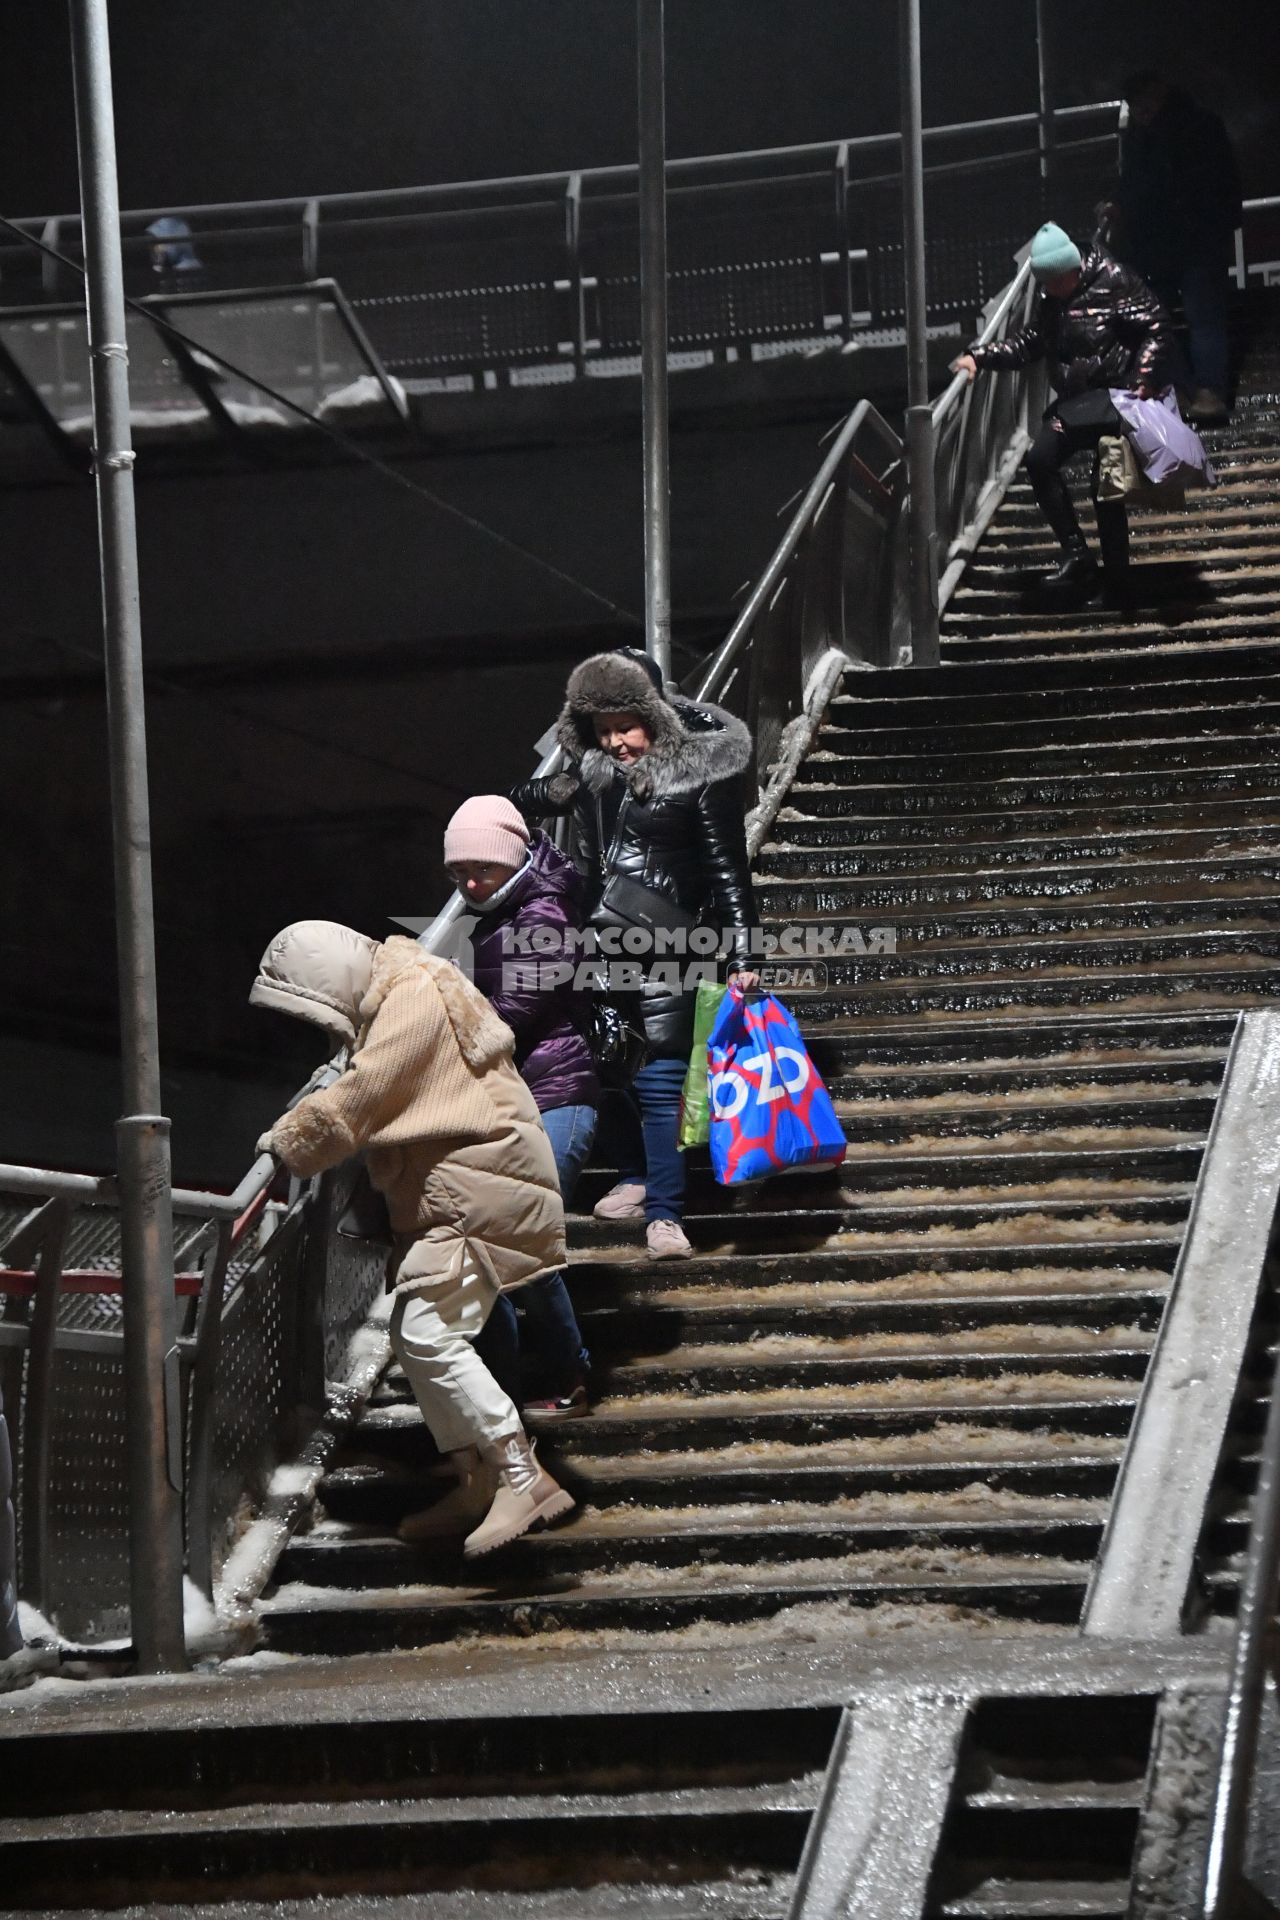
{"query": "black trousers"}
pixel 1076 426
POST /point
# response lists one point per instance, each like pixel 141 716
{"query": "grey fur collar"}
pixel 694 743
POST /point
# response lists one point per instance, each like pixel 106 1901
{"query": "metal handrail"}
pixel 736 639
pixel 1227 1894
pixel 951 396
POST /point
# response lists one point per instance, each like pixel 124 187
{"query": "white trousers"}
pixel 431 1334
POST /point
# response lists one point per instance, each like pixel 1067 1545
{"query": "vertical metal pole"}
pixel 1044 60
pixel 153 1431
pixel 922 522
pixel 653 352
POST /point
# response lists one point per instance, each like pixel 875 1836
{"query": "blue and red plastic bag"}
pixel 770 1112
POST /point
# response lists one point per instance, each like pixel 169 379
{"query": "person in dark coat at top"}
pixel 1098 326
pixel 1179 197
pixel 517 884
pixel 654 786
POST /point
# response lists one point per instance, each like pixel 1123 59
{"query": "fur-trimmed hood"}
pixel 694 743
pixel 321 971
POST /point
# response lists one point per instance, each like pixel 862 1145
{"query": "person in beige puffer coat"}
pixel 453 1139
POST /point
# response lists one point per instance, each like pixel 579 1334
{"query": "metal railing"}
pixel 268 1296
pixel 982 430
pixel 537 277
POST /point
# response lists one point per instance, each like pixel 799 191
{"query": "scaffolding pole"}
pixel 922 524
pixel 653 354
pixel 153 1413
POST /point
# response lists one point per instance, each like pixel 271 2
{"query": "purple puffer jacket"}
pixel 552 1054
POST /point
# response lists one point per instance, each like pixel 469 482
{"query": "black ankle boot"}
pixel 1076 575
pixel 1113 539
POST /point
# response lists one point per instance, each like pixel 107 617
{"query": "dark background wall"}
pixel 242 99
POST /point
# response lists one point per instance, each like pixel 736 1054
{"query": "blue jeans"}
pixel 550 1335
pixel 645 1124
pixel 1202 280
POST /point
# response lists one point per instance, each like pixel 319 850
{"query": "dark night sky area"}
pixel 234 99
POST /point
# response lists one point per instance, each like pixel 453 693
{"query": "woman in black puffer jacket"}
pixel 655 790
pixel 1098 326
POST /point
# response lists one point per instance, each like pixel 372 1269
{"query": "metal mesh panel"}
pixel 354 1275
pixel 255 1379
pixel 88 1502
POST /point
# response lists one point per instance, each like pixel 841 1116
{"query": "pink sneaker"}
pixel 623 1202
pixel 666 1240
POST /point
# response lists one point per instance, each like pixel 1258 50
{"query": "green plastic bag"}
pixel 695 1097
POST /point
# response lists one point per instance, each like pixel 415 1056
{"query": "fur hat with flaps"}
pixel 694 742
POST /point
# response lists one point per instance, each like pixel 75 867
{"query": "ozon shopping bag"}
pixel 770 1112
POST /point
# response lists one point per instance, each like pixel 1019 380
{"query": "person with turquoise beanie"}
pixel 1098 326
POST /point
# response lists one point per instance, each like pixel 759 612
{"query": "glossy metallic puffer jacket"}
pixel 1111 332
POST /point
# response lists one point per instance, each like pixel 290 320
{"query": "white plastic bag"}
pixel 1168 448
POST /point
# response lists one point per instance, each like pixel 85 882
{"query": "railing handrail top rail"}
pixel 563 177
pixel 950 395
pixel 863 413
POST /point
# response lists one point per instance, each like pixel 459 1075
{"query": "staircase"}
pixel 909 1384
pixel 893 1397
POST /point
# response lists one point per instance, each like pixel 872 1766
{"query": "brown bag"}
pixel 1120 477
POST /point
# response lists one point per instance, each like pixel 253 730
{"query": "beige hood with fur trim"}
pixel 450 1131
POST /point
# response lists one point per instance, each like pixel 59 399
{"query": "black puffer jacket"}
pixel 674 822
pixel 1111 332
pixel 1179 187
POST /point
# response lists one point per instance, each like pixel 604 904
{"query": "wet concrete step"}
pixel 318 1620
pixel 1085 1080
pixel 830 850
pixel 1163 746
pixel 907 1222
pixel 1084 896
pixel 896 1277
pixel 1089 640
pixel 372 1849
pixel 587 1544
pixel 1251 940
pixel 1234 536
pixel 1240 982
pixel 904 696
pixel 1075 1036
pixel 1236 780
pixel 1251 706
pixel 236 1750
pixel 388 1466
pixel 1002 1121
pixel 953 949
pixel 1190 577
pixel 779 1364
pixel 1013 1405
pixel 1075 1160
pixel 757 1894
pixel 629 1327
pixel 1041 1899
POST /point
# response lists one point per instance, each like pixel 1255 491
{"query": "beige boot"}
pixel 457 1512
pixel 527 1497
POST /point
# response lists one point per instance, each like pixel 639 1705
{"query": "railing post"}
pixel 845 266
pixel 37 1408
pixel 922 524
pixel 1045 73
pixel 653 355
pixel 573 251
pixel 311 240
pixel 142 1135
